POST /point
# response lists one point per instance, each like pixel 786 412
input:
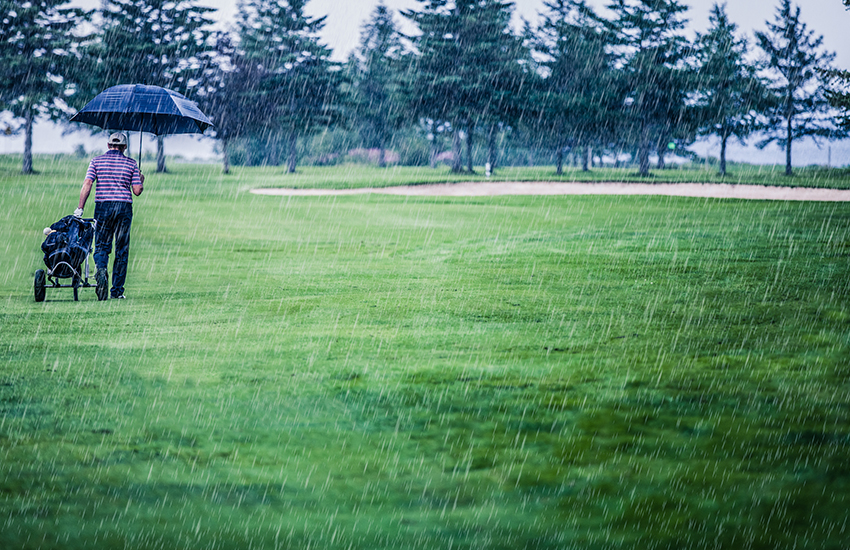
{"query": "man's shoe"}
pixel 119 297
pixel 102 288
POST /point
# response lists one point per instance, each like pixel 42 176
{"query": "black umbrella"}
pixel 140 108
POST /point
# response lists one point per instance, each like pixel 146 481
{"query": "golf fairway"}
pixel 429 372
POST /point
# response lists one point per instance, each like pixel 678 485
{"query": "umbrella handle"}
pixel 140 150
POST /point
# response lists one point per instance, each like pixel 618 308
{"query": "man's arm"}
pixel 138 188
pixel 84 192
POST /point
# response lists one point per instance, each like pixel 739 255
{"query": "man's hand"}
pixel 78 213
pixel 139 187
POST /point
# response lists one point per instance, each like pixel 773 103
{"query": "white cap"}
pixel 118 138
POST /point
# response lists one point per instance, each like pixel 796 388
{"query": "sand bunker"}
pixel 488 189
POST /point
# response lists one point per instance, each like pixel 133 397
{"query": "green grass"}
pixel 358 175
pixel 427 372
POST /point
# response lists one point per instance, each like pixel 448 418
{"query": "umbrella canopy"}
pixel 140 108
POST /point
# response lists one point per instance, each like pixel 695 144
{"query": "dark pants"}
pixel 113 219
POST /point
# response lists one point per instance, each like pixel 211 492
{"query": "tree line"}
pixel 572 83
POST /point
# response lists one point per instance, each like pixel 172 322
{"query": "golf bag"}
pixel 67 247
pixel 65 250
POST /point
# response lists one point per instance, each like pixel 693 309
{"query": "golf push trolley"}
pixel 66 247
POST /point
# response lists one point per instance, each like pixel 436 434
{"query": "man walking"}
pixel 116 176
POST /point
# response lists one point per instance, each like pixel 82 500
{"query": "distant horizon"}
pixel 50 138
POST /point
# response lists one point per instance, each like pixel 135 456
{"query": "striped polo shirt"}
pixel 114 174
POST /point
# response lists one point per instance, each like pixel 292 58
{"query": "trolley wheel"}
pixel 40 285
pixel 76 284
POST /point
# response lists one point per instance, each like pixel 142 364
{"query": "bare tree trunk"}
pixel 643 152
pixel 226 156
pixel 491 148
pixel 724 137
pixel 457 154
pixel 435 151
pixel 469 129
pixel 27 164
pixel 789 133
pixel 559 159
pixel 585 158
pixel 662 163
pixel 382 157
pixel 643 160
pixel 293 151
pixel 160 154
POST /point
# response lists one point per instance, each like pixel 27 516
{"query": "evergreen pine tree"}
pixel 468 71
pixel 579 93
pixel 226 92
pixel 652 54
pixel 298 86
pixel 374 68
pixel 37 56
pixel 794 54
pixel 731 95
